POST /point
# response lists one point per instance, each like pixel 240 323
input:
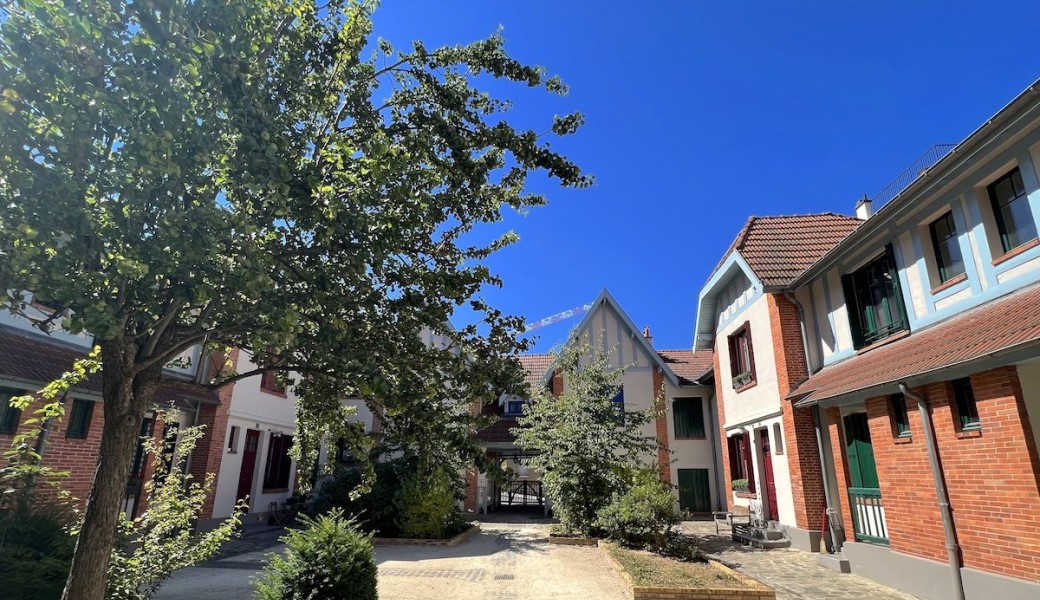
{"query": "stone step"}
pixel 834 562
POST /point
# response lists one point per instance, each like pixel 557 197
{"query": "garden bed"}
pixel 471 530
pixel 652 577
pixel 566 538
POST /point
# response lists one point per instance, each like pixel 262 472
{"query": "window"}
pixel 269 382
pixel 619 405
pixel 688 417
pixel 1011 210
pixel 740 459
pixel 79 419
pixel 232 440
pixel 345 455
pixel 9 415
pixel 140 456
pixel 900 419
pixel 515 407
pixel 967 409
pixel 741 357
pixel 874 301
pixel 947 249
pixel 778 440
pixel 279 463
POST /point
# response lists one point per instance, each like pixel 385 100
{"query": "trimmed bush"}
pixel 643 515
pixel 329 559
pixel 36 548
pixel 426 505
pixel 374 510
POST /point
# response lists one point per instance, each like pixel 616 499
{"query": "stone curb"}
pixel 753 589
pixel 472 530
pixel 573 541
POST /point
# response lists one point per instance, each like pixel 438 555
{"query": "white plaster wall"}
pixel 913 275
pixel 605 331
pixel 734 297
pixel 953 299
pixel 692 453
pixel 838 315
pixel 764 397
pixel 1029 377
pixel 1022 269
pixel 83 339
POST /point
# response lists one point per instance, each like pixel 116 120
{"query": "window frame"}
pixel 740 462
pixel 967 406
pixel 951 243
pixel 10 417
pixel 1003 234
pixel 742 364
pixel 619 405
pixel 509 412
pixel 899 416
pixel 234 433
pixel 269 383
pixel 278 475
pixel 79 420
pixel 856 283
pixel 686 403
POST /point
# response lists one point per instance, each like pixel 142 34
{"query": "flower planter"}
pixel 467 533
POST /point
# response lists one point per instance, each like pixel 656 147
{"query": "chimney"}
pixel 863 210
pixel 646 335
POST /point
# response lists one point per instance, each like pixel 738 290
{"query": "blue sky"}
pixel 700 114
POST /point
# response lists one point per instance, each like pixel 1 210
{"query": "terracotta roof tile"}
pixel 688 365
pixel 998 325
pixel 535 366
pixel 499 431
pixel 34 358
pixel 778 249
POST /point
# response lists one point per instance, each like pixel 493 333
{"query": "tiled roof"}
pixel 688 365
pixel 33 358
pixel 498 431
pixel 778 249
pixel 997 326
pixel 535 366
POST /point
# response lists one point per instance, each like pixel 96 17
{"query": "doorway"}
pixel 694 492
pixel 245 475
pixel 767 475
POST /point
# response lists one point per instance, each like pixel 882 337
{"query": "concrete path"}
pixel 505 561
pixel 794 574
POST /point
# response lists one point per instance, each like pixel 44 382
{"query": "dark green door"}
pixel 694 492
pixel 860 452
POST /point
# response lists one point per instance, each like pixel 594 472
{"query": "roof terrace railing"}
pixel 910 175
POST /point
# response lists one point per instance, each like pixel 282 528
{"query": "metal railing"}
pixel 908 176
pixel 868 515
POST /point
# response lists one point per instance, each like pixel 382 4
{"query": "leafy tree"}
pixel 251 173
pixel 587 446
pixel 426 503
pixel 162 540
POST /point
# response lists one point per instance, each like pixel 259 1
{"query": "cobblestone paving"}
pixel 794 574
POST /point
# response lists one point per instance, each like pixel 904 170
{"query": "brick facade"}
pixel 664 457
pixel 800 447
pixel 209 450
pixel 991 476
pixel 727 475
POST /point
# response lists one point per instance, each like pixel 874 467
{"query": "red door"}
pixel 767 472
pixel 245 476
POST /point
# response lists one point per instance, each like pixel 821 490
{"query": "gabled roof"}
pixel 1002 326
pixel 778 249
pixel 535 367
pixel 688 365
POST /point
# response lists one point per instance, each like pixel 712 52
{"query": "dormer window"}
pixel 1011 211
pixel 874 300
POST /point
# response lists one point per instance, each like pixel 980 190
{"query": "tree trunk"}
pixel 126 398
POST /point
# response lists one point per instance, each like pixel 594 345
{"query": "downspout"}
pixel 818 427
pixel 952 551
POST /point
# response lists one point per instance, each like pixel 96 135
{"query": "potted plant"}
pixel 741 380
pixel 740 486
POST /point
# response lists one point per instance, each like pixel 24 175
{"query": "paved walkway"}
pixel 794 574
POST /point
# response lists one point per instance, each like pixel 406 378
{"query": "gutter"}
pixel 952 551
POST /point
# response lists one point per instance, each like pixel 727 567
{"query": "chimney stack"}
pixel 646 334
pixel 863 210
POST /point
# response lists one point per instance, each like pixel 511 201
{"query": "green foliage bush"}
pixel 426 505
pixel 36 548
pixel 329 559
pixel 642 515
pixel 372 504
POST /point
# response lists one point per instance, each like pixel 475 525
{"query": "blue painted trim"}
pixel 816 327
pixel 922 271
pixel 705 323
pixel 897 253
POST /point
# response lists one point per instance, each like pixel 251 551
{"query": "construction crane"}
pixel 560 316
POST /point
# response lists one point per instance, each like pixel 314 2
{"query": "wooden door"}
pixel 863 469
pixel 694 491
pixel 245 476
pixel 767 474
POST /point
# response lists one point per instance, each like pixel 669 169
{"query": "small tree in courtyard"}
pixel 588 445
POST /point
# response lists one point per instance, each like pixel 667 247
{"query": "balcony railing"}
pixel 868 515
pixel 908 176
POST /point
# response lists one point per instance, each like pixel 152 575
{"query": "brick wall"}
pixel 720 409
pixel 664 458
pixel 836 433
pixel 991 475
pixel 803 457
pixel 209 451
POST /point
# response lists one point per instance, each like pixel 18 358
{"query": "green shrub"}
pixel 36 548
pixel 643 515
pixel 375 509
pixel 740 485
pixel 329 559
pixel 426 505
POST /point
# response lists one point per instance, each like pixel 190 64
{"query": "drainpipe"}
pixel 940 490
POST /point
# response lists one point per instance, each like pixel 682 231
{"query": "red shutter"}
pixel 745 460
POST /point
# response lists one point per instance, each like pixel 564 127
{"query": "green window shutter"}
pixel 694 491
pixel 680 417
pixel 852 308
pixel 695 417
